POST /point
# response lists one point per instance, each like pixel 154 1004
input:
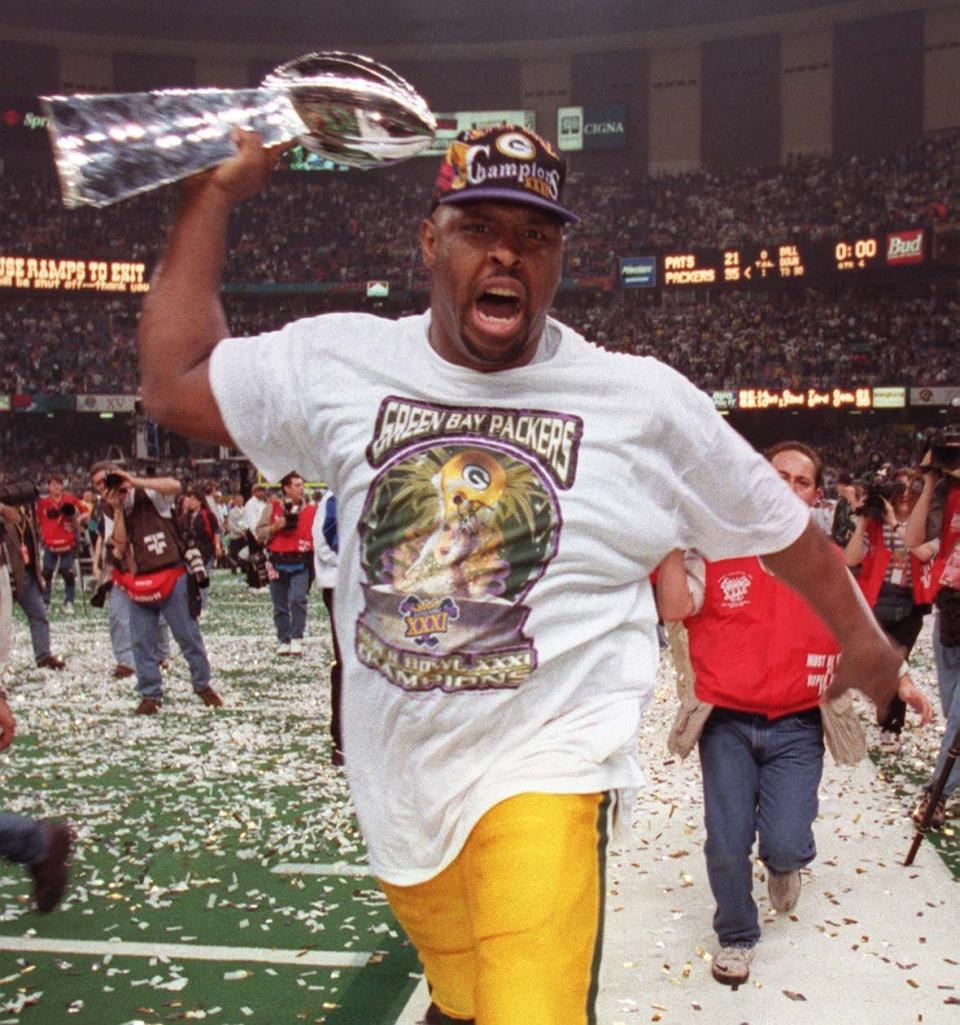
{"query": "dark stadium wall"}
pixel 740 103
pixel 598 79
pixel 137 72
pixel 877 83
pixel 465 84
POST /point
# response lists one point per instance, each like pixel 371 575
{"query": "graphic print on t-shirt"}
pixel 460 521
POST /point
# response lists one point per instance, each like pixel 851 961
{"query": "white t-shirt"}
pixel 252 511
pixel 496 532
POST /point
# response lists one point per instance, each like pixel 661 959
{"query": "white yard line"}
pixel 184 952
pixel 337 868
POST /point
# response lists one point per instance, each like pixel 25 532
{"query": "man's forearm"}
pixel 811 567
pixel 183 318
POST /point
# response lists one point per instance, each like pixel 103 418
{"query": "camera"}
pixel 291 515
pixel 944 448
pixel 68 510
pixel 99 597
pixel 195 566
pixel 877 491
pixel 112 480
pixel 18 493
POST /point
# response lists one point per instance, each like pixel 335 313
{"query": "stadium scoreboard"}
pixel 778 263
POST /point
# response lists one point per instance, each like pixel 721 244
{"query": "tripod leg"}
pixel 934 797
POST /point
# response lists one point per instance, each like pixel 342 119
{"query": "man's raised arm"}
pixel 183 318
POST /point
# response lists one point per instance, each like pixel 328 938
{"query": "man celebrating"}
pixel 286 528
pixel 504 491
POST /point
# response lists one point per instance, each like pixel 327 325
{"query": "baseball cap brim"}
pixel 478 195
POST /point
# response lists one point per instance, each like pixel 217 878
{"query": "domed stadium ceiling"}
pixel 342 23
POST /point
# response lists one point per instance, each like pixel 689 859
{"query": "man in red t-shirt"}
pixel 764 660
pixel 59 513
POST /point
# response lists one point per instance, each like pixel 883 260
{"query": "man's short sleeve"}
pixel 259 386
pixel 731 502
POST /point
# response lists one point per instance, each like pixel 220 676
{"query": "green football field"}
pixel 219 875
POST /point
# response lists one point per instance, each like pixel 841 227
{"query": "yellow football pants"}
pixel 510 932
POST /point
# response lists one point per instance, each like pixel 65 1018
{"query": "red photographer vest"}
pixel 58 534
pixel 874 567
pixel 299 540
pixel 756 646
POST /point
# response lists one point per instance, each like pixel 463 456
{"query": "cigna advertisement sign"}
pixel 592 128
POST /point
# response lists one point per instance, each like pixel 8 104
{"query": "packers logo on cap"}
pixel 504 163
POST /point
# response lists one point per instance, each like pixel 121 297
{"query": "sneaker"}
pixel 889 742
pixel 121 672
pixel 783 890
pixel 283 648
pixel 939 816
pixel 69 610
pixel 210 698
pixel 296 646
pixel 50 875
pixel 148 706
pixel 731 965
pixel 51 662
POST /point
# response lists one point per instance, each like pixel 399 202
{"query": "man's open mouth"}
pixel 498 309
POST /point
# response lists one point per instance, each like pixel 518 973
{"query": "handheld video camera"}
pixel 291 514
pixel 18 493
pixel 877 491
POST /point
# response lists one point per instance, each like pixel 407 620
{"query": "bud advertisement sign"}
pixel 592 128
pixel 904 247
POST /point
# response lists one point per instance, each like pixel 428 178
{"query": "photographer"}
pixel 936 517
pixel 200 529
pixel 892 576
pixel 21 544
pixel 148 564
pixel 58 513
pixel 286 528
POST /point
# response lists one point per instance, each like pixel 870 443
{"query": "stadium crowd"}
pixel 356 227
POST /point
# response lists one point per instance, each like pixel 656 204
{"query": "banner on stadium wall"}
pixel 43 403
pixel 889 398
pixel 449 126
pixel 935 396
pixel 592 128
pixel 22 122
pixel 51 273
pixel 638 272
pixel 106 403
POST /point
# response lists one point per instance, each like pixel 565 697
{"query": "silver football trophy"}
pixel 342 106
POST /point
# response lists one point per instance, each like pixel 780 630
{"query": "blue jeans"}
pixel 30 599
pixel 145 631
pixel 759 776
pixel 289 595
pixel 49 567
pixel 948 682
pixel 22 840
pixel 118 611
